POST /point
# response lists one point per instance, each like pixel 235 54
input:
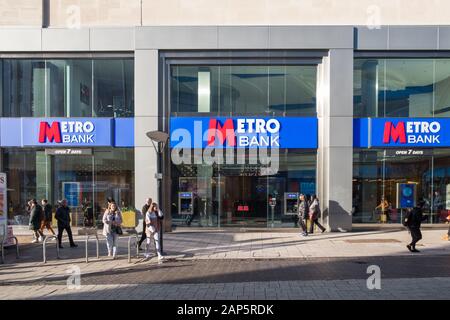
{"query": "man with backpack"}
pixel 413 220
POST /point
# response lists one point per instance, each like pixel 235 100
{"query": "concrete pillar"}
pixel 335 152
pixel 146 119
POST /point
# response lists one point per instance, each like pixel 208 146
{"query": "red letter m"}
pixel 396 133
pixel 222 132
pixel 50 133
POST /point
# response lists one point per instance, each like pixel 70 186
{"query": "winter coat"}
pixel 108 219
pixel 36 217
pixel 63 216
pixel 314 210
pixel 303 209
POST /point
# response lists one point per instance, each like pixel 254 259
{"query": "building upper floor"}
pixel 88 13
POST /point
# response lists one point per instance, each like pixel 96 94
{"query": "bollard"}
pixel 129 247
pixel 44 249
pixel 86 246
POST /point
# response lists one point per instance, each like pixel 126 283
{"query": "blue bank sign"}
pixel 67 132
pixel 402 132
pixel 243 132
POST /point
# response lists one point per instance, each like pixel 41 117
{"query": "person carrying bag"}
pixel 112 221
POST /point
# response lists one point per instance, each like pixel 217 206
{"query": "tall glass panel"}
pixel 22 88
pixel 114 177
pixel 113 87
pixel 441 88
pixel 69 88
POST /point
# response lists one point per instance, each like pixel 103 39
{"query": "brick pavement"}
pixel 211 264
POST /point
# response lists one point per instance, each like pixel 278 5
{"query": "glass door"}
pixel 74 180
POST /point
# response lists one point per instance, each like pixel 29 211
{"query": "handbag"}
pixel 117 229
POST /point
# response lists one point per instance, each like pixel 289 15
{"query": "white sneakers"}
pixel 34 241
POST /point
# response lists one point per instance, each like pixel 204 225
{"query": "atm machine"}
pixel 185 203
pixel 291 203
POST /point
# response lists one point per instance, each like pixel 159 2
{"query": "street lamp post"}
pixel 159 140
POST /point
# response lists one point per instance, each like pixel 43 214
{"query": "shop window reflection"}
pixel 377 175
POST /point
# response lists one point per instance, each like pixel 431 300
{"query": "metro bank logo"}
pixel 70 132
pixel 412 132
pixel 243 132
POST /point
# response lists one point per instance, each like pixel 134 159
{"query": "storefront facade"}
pixel 253 113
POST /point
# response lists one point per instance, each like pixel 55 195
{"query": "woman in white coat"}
pixel 153 228
pixel 112 220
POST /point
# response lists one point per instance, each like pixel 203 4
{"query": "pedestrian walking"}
pixel 62 216
pixel 153 229
pixel 303 209
pixel 413 220
pixel 145 207
pixel 36 217
pixel 112 221
pixel 314 214
pixel 47 221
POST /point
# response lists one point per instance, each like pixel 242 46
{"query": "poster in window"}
pixel 72 192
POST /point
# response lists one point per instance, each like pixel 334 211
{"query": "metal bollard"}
pixel 44 250
pixel 86 246
pixel 129 247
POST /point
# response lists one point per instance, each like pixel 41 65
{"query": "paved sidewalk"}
pixel 200 264
pixel 418 289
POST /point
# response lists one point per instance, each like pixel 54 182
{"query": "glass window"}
pixel 401 87
pixel 84 179
pixel 243 90
pixel 113 88
pixel 65 88
pixel 239 191
pixel 377 175
pixel 22 89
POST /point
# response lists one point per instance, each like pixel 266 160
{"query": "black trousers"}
pixel 61 229
pixel 303 224
pixel 416 235
pixel 144 235
pixel 315 222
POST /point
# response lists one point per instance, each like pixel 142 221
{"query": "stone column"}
pixel 335 151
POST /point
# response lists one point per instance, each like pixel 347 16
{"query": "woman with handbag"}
pixel 152 229
pixel 314 213
pixel 112 221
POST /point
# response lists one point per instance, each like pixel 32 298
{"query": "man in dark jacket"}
pixel 47 221
pixel 413 221
pixel 63 217
pixel 148 203
pixel 36 217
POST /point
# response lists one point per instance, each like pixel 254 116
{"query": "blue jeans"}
pixel 111 242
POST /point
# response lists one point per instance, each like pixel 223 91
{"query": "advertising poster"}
pixel 71 192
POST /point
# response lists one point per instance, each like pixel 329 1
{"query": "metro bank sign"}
pixel 74 132
pixel 409 132
pixel 243 132
pixel 70 132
